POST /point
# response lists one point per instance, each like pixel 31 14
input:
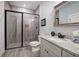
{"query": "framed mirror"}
pixel 67 12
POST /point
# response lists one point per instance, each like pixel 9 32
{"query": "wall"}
pixel 9 7
pixel 3 5
pixel 6 5
pixel 22 9
pixel 1 27
pixel 37 9
pixel 46 10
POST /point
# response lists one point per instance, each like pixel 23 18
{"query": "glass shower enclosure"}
pixel 20 29
pixel 30 28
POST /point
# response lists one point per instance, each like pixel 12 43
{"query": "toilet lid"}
pixel 34 43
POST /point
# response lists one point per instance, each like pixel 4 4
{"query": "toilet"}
pixel 35 47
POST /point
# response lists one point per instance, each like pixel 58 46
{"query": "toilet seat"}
pixel 34 43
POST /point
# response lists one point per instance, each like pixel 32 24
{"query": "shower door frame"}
pixel 5 25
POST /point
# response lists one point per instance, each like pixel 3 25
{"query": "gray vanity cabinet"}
pixel 66 54
pixel 49 50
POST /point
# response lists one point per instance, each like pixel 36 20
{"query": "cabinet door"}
pixel 44 51
pixel 48 50
pixel 66 54
pixel 50 53
pixel 52 48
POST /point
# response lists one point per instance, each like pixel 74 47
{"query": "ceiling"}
pixel 25 4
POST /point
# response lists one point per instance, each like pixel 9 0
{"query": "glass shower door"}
pixel 30 28
pixel 14 22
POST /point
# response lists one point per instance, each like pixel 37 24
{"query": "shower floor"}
pixel 13 45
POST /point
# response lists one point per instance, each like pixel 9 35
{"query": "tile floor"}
pixel 18 52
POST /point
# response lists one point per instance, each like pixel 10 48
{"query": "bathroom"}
pixel 26 24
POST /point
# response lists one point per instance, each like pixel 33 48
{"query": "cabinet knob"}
pixel 47 51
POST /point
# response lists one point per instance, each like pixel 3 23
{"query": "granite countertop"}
pixel 66 44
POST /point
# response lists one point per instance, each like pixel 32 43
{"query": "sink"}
pixel 57 39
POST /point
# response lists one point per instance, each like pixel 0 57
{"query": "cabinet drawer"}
pixel 56 50
pixel 66 54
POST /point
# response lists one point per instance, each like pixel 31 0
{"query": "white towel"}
pixel 75 36
pixel 75 33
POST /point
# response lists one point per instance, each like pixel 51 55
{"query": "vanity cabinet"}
pixel 49 50
pixel 66 54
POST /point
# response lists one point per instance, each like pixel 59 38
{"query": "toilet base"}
pixel 36 53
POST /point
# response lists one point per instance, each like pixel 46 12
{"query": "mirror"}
pixel 68 12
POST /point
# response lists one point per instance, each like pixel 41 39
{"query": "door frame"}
pixel 5 25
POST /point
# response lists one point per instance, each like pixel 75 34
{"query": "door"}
pixel 30 28
pixel 13 29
